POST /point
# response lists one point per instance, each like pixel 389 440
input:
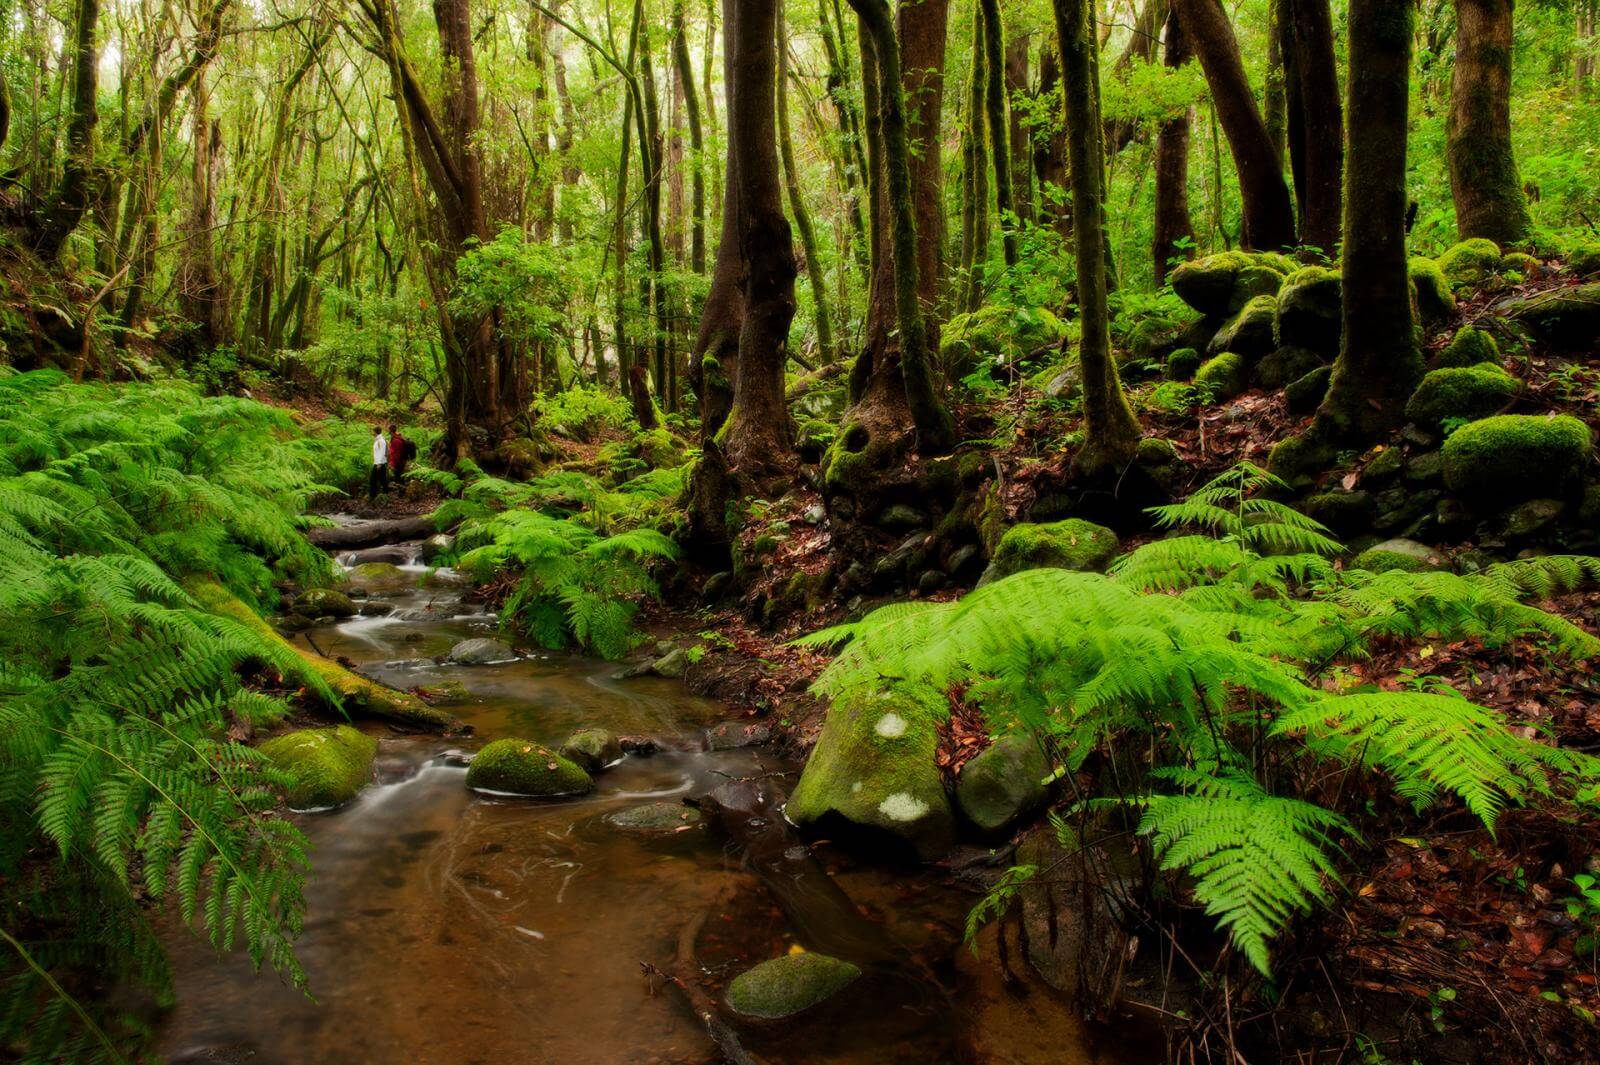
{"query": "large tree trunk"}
pixel 1483 169
pixel 1268 214
pixel 759 438
pixel 1173 226
pixel 1379 364
pixel 1316 122
pixel 1111 433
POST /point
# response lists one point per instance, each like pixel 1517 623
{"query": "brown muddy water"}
pixel 449 926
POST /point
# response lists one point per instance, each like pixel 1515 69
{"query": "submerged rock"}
pixel 655 817
pixel 593 749
pixel 326 766
pixel 1003 782
pixel 673 664
pixel 1069 544
pixel 735 735
pixel 324 603
pixel 480 651
pixel 874 767
pixel 789 985
pixel 522 767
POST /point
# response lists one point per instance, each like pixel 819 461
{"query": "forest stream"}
pixel 448 925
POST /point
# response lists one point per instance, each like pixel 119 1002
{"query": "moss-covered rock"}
pixel 1513 457
pixel 522 767
pixel 996 332
pixel 1224 376
pixel 1182 364
pixel 1218 285
pixel 592 749
pixel 1584 259
pixel 1346 513
pixel 1283 366
pixel 1304 394
pixel 1470 262
pixel 325 766
pixel 812 439
pixel 1523 263
pixel 1431 289
pixel 790 984
pixel 874 767
pixel 1002 783
pixel 1469 392
pixel 1469 347
pixel 1400 554
pixel 654 818
pixel 1566 319
pixel 1249 332
pixel 659 449
pixel 324 603
pixel 1069 544
pixel 381 576
pixel 1309 313
pixel 1527 519
pixel 481 651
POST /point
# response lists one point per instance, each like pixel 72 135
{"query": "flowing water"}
pixel 449 926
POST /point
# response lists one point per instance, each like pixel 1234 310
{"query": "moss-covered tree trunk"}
pixel 759 435
pixel 909 202
pixel 797 207
pixel 994 104
pixel 1173 227
pixel 1017 49
pixel 1483 169
pixel 60 215
pixel 1317 122
pixel 1050 152
pixel 1379 364
pixel 691 109
pixel 974 176
pixel 1268 215
pixel 1111 433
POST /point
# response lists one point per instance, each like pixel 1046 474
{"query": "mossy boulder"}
pixel 1469 347
pixel 873 766
pixel 1309 311
pixel 1431 290
pixel 1003 783
pixel 437 546
pixel 1523 263
pixel 325 766
pixel 790 984
pixel 1182 364
pixel 1400 554
pixel 1284 365
pixel 659 449
pixel 522 767
pixel 1304 394
pixel 1069 544
pixel 1468 392
pixel 996 333
pixel 324 603
pixel 481 651
pixel 1566 319
pixel 1470 262
pixel 653 818
pixel 1219 285
pixel 1527 519
pixel 592 749
pixel 1249 332
pixel 381 576
pixel 1224 376
pixel 1346 513
pixel 1510 458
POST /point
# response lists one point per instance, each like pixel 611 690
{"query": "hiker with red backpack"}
pixel 401 452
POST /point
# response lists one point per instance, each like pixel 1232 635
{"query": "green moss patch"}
pixel 326 766
pixel 1223 377
pixel 1431 290
pixel 1468 392
pixel 522 767
pixel 1070 544
pixel 1514 457
pixel 1471 261
pixel 1469 347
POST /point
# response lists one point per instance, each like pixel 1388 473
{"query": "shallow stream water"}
pixel 449 926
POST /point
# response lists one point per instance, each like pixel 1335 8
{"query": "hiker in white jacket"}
pixel 378 480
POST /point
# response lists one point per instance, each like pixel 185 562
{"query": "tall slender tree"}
pixel 994 102
pixel 1173 228
pixel 1316 121
pixel 1483 168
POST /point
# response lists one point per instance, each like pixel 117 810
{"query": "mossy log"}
pixel 356 695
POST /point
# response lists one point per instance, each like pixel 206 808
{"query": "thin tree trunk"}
pixel 1268 214
pixel 855 162
pixel 797 206
pixel 999 128
pixel 1276 98
pixel 73 194
pixel 1050 153
pixel 1173 226
pixel 1021 158
pixel 691 108
pixel 1483 169
pixel 1111 433
pixel 1320 142
pixel 975 176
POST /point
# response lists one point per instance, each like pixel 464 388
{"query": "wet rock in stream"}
pixel 655 818
pixel 593 749
pixel 522 767
pixel 785 986
pixel 735 735
pixel 326 767
pixel 480 651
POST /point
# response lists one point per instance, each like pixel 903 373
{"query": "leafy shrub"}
pixel 583 412
pixel 1206 650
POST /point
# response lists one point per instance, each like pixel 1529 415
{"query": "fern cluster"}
pixel 1208 650
pixel 116 690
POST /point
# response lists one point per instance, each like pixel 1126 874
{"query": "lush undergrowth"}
pixel 119 782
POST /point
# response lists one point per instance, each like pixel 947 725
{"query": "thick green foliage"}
pixel 1206 650
pixel 1512 457
pixel 117 687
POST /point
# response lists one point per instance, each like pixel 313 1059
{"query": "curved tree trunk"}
pixel 759 437
pixel 1483 170
pixel 1379 364
pixel 1268 215
pixel 1111 433
pixel 1172 221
